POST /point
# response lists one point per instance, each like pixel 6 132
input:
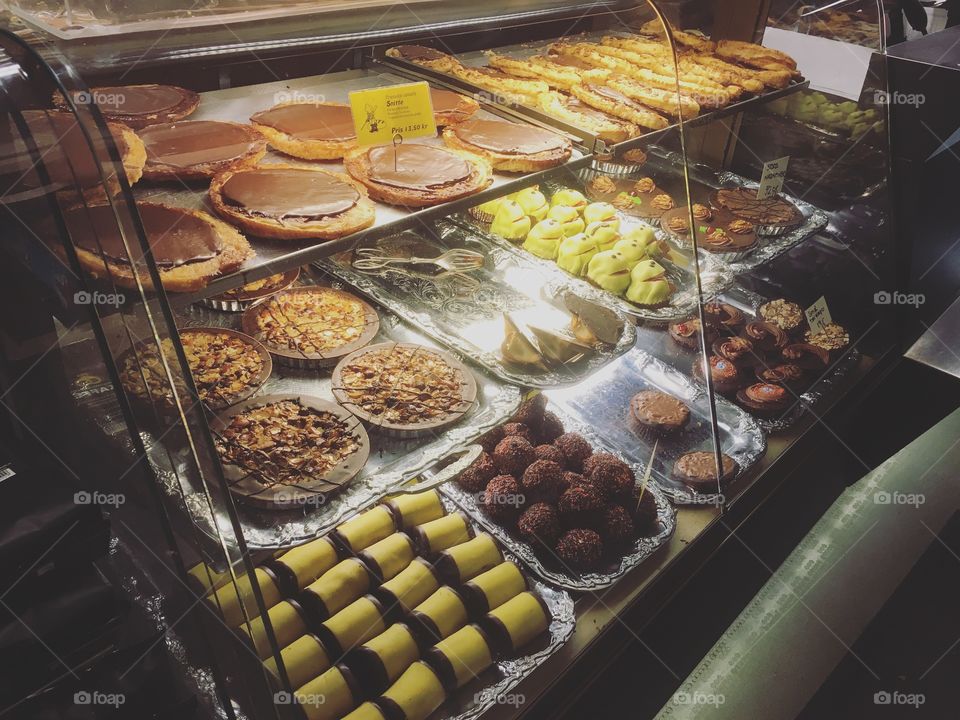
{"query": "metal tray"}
pixel 602 404
pixel 472 323
pixel 392 461
pixel 555 573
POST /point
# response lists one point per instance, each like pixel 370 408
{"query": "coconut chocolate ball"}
pixel 580 549
pixel 550 428
pixel 611 475
pixel 580 506
pixel 642 507
pixel 503 499
pixel 549 452
pixel 475 478
pixel 530 412
pixel 513 455
pixel 519 429
pixel 575 450
pixel 542 480
pixel 491 438
pixel 539 525
pixel 616 527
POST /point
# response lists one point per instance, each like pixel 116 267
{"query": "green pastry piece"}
pixel 647 270
pixel 569 198
pixel 609 270
pixel 632 250
pixel 533 202
pixel 649 284
pixel 568 218
pixel 510 222
pixel 601 212
pixel 544 239
pixel 603 234
pixel 575 254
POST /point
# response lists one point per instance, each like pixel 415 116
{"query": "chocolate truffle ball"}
pixel 611 475
pixel 643 510
pixel 542 481
pixel 492 438
pixel 550 428
pixel 475 478
pixel 520 430
pixel 571 479
pixel 530 412
pixel 539 525
pixel 513 455
pixel 580 549
pixel 580 506
pixel 616 527
pixel 575 450
pixel 549 452
pixel 503 499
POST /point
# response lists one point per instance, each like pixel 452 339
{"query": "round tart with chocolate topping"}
pixel 450 107
pixel 772 216
pixel 508 146
pixel 699 470
pixel 137 105
pixel 189 247
pixel 659 412
pixel 310 131
pixel 291 202
pixel 423 56
pixel 765 399
pixel 414 175
pixel 199 149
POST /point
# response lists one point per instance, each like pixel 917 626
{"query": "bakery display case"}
pixel 424 350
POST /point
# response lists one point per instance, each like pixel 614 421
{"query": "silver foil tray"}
pixel 472 323
pixel 602 403
pixel 553 570
pixel 392 461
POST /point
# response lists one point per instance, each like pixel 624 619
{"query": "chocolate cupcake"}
pixel 658 413
pixel 581 549
pixel 765 336
pixel 786 315
pixel 737 350
pixel 616 527
pixel 699 470
pixel 725 375
pixel 575 450
pixel 764 399
pixel 787 374
pixel 539 525
pixel 687 333
pixel 610 475
pixel 503 499
pixel 518 429
pixel 475 478
pixel 807 356
pixel 549 452
pixel 551 428
pixel 513 455
pixel 542 481
pixel 723 316
pixel 580 506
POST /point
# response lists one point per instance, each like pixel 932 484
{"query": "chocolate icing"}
pixel 701 467
pixel 416 167
pixel 309 121
pixel 196 142
pixel 444 100
pixel 655 407
pixel 419 52
pixel 137 99
pixel 508 138
pixel 569 61
pixel 176 237
pixel 280 193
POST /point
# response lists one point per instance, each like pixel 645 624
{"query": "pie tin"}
pixel 242 301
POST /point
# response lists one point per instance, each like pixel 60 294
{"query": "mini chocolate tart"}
pixel 310 131
pixel 737 350
pixel 686 333
pixel 450 107
pixel 291 202
pixel 659 412
pixel 137 105
pixel 765 336
pixel 725 375
pixel 199 149
pixel 699 470
pixel 807 356
pixel 765 399
pixel 723 316
pixel 416 175
pixel 787 374
pixel 509 147
pixel 189 247
pixel 773 216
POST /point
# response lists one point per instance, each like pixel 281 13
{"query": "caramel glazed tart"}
pixel 291 202
pixel 201 247
pixel 137 105
pixel 508 146
pixel 414 175
pixel 199 149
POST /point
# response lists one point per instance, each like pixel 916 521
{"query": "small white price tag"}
pixel 818 315
pixel 774 174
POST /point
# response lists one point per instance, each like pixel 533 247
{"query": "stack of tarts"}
pixel 765 362
pixel 578 509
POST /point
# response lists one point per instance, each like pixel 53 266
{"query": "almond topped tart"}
pixel 239 299
pixel 509 146
pixel 291 202
pixel 311 326
pixel 189 247
pixel 403 389
pixel 199 149
pixel 137 105
pixel 227 368
pixel 310 131
pixel 415 175
pixel 282 452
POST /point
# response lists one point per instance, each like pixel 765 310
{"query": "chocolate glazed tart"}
pixel 311 131
pixel 510 147
pixel 291 202
pixel 190 247
pixel 418 175
pixel 199 149
pixel 450 107
pixel 138 105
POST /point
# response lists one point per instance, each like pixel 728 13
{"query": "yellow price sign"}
pixel 381 114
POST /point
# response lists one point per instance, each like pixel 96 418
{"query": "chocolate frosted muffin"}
pixel 475 478
pixel 549 452
pixel 687 333
pixel 765 336
pixel 699 470
pixel 658 412
pixel 580 505
pixel 580 549
pixel 786 374
pixel 726 376
pixel 722 316
pixel 539 525
pixel 609 474
pixel 542 481
pixel 616 527
pixel 807 356
pixel 503 499
pixel 513 455
pixel 550 428
pixel 575 450
pixel 764 399
pixel 786 315
pixel 737 350
pixel 518 429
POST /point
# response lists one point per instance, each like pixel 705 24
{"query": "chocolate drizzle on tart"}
pixel 310 121
pixel 289 194
pixel 418 52
pixel 416 167
pixel 198 142
pixel 744 203
pixel 508 138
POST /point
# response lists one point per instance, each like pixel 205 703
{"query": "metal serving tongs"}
pixel 453 264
